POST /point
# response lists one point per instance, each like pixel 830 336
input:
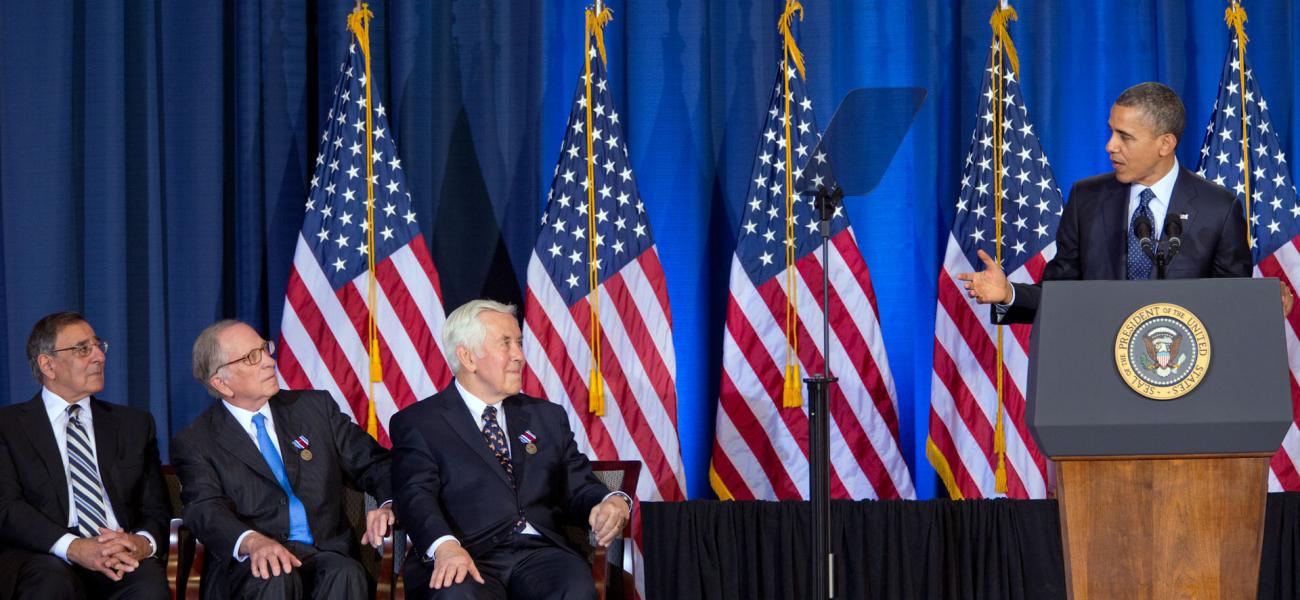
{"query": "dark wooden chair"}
pixel 385 564
pixel 186 555
pixel 180 557
pixel 611 567
pixel 618 476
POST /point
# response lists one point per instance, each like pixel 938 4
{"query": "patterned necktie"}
pixel 496 440
pixel 1139 264
pixel 299 531
pixel 87 492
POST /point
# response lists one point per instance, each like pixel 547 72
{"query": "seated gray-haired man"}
pixel 262 474
pixel 487 477
pixel 83 505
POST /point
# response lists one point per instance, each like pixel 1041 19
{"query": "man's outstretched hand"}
pixel 989 286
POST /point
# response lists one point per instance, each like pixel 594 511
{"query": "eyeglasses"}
pixel 84 349
pixel 253 357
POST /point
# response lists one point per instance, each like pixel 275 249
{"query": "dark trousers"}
pixel 45 576
pixel 324 575
pixel 528 568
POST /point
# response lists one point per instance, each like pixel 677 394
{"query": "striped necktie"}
pixel 87 491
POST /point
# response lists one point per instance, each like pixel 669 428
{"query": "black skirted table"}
pixel 894 549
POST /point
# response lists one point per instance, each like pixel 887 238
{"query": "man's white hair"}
pixel 463 328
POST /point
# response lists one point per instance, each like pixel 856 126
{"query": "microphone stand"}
pixel 823 575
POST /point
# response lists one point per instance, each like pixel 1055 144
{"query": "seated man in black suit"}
pixel 83 505
pixel 263 472
pixel 1096 237
pixel 487 477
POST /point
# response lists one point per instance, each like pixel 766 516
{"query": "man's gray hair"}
pixel 208 356
pixel 463 328
pixel 1163 109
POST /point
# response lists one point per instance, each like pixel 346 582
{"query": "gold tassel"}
pixel 999 23
pixel 793 394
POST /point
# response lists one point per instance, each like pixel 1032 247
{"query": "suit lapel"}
pixel 106 426
pixel 281 413
pixel 518 421
pixel 1181 202
pixel 1115 223
pixel 466 427
pixel 232 437
pixel 36 424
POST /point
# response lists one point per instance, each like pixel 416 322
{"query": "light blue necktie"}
pixel 298 529
pixel 1139 264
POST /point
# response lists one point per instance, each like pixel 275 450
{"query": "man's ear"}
pixel 466 358
pixel 46 364
pixel 219 384
pixel 1168 143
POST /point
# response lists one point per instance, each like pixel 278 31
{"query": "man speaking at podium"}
pixel 1097 237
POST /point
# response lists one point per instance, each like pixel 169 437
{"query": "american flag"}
pixel 637 361
pixel 324 333
pixel 964 393
pixel 760 448
pixel 1272 211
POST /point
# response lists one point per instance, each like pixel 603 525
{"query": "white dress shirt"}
pixel 245 420
pixel 56 408
pixel 1164 191
pixel 476 407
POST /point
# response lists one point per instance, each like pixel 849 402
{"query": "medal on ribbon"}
pixel 529 441
pixel 303 446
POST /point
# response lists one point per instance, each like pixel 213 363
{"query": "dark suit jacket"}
pixel 450 483
pixel 228 488
pixel 34 485
pixel 1091 241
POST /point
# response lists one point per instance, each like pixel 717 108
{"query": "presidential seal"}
pixel 1162 351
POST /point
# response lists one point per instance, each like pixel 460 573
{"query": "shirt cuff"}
pixel 1001 309
pixel 60 548
pixel 438 542
pixel 239 542
pixel 153 546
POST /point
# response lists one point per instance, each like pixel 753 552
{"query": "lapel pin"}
pixel 530 441
pixel 303 446
pixel 1182 216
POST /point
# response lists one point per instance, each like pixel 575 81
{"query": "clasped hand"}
pixel 114 553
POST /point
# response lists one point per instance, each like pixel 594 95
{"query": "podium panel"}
pixel 1080 405
pixel 1161 403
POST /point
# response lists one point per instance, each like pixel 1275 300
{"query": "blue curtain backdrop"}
pixel 154 156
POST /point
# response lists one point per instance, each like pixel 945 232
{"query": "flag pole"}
pixel 597 18
pixel 792 395
pixel 1001 45
pixel 1235 17
pixel 359 24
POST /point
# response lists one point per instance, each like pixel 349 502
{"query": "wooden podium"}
pixel 1160 498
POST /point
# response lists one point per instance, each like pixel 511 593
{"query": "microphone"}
pixel 1142 231
pixel 1173 229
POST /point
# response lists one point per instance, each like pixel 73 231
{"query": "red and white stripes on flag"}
pixel 594 205
pixel 1004 158
pixel 761 447
pixel 1269 199
pixel 324 332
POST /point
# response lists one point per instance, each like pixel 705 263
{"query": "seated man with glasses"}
pixel 262 474
pixel 83 505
